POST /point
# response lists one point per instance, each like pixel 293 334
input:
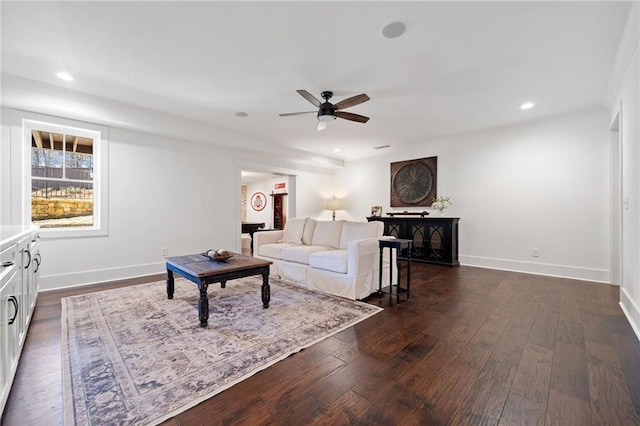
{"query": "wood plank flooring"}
pixel 472 347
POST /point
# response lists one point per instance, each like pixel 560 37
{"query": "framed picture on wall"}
pixel 414 182
pixel 258 201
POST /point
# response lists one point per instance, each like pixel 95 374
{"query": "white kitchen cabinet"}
pixel 19 270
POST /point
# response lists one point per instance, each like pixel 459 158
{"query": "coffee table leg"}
pixel 266 290
pixel 170 284
pixel 203 305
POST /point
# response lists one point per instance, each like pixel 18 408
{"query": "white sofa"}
pixel 336 257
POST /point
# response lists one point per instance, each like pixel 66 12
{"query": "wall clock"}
pixel 258 201
pixel 413 182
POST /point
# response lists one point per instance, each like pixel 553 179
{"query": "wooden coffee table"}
pixel 203 271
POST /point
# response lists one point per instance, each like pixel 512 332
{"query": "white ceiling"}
pixel 460 67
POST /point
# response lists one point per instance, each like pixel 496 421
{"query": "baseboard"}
pixel 75 279
pixel 631 311
pixel 574 272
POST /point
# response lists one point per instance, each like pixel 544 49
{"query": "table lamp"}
pixel 334 204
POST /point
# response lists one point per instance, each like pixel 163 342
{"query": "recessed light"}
pixel 393 30
pixel 241 114
pixel 65 76
pixel 526 105
pixel 336 149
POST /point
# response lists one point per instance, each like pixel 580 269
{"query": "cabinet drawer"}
pixel 9 253
pixel 8 258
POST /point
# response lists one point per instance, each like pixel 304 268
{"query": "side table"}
pixel 399 245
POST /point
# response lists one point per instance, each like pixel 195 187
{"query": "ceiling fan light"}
pixel 326 117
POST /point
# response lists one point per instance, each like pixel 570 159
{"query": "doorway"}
pixel 278 208
pixel 267 198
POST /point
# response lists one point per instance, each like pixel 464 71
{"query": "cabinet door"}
pixel 439 245
pixel 396 228
pixel 10 311
pixel 5 383
pixel 22 289
pixel 34 277
pixel 417 231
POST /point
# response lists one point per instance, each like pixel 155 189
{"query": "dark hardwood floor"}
pixel 472 347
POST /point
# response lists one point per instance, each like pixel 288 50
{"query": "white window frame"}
pixel 99 134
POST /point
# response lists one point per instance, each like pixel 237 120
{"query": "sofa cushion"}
pixel 293 230
pixel 300 254
pixel 273 250
pixel 358 230
pixel 332 260
pixel 307 234
pixel 327 233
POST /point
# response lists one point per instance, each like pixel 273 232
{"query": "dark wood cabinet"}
pixel 435 239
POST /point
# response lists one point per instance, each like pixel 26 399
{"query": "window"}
pixel 67 195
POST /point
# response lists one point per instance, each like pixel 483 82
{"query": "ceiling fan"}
pixel 328 111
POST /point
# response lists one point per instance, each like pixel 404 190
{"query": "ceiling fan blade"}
pixel 297 113
pixel 351 116
pixel 308 96
pixel 322 125
pixel 349 102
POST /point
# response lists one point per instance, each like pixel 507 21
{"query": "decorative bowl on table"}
pixel 218 255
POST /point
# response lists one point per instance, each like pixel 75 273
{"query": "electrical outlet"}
pixel 535 252
pixel 164 251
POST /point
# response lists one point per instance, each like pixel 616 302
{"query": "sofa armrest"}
pixel 362 255
pixel 266 237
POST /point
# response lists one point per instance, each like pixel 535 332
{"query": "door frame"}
pixel 616 198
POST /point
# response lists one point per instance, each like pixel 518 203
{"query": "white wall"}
pixel 311 200
pixel 163 193
pixel 5 170
pixel 627 101
pixel 311 192
pixel 542 185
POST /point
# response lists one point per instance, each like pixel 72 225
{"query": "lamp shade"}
pixel 334 204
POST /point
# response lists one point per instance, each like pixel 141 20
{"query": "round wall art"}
pixel 258 201
pixel 413 182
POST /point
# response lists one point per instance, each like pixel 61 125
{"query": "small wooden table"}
pixel 203 271
pixel 398 244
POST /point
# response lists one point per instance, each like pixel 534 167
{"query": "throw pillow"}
pixel 327 233
pixel 293 231
pixel 307 234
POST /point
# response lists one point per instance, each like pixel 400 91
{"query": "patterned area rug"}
pixel 131 356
